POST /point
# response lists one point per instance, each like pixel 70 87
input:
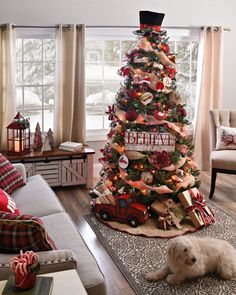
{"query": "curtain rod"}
pixel 134 27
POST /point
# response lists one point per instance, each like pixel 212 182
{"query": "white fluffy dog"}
pixel 189 257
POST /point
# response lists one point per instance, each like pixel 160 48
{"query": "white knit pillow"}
pixel 225 138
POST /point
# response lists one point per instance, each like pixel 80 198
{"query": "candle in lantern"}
pixel 17 145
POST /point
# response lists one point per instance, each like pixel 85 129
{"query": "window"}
pixel 105 51
pixel 35 76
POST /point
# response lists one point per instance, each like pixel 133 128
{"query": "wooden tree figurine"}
pixel 51 138
pixel 38 140
pixel 46 146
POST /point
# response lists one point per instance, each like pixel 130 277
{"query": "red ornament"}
pixel 160 85
pixel 131 115
pixel 165 48
pixel 182 112
pixel 159 115
pixel 171 72
pixel 125 71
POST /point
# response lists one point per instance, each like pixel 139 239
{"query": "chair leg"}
pixel 213 182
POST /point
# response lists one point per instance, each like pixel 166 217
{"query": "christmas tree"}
pixel 148 155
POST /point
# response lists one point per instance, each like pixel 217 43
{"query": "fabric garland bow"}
pixel 111 112
pixel 200 205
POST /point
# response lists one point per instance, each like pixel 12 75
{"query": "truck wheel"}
pixel 105 215
pixel 133 221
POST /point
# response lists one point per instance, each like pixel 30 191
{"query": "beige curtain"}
pixel 210 92
pixel 69 119
pixel 7 81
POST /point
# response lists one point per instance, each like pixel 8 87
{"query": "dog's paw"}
pixel 152 276
pixel 172 279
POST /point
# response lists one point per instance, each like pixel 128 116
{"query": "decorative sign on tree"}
pixel 149 141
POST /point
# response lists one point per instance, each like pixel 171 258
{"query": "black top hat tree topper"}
pixel 149 19
pixel 150 22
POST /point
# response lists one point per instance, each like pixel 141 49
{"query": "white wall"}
pixel 120 12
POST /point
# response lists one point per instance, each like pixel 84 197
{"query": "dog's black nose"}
pixel 194 259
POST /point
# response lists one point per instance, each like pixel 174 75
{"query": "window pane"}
pixel 194 51
pixel 94 72
pixel 94 122
pixel 33 97
pixel 183 72
pixel 183 50
pixel 19 101
pixel 48 120
pixel 32 73
pixel 172 46
pixel 19 73
pixel 48 96
pixel 35 116
pixel 19 49
pixel 49 49
pixel 48 73
pixel 194 72
pixel 110 90
pixel 111 51
pixel 94 100
pixel 32 49
pixel 110 71
pixel 94 52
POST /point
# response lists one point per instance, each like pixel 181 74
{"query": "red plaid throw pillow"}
pixel 10 178
pixel 23 232
pixel 7 204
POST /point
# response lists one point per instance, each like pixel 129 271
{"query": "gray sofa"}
pixel 38 199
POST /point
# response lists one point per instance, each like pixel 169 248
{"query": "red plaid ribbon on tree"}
pixel 200 205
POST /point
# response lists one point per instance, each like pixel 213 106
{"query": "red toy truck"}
pixel 124 210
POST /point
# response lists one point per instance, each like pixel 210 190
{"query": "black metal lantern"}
pixel 18 136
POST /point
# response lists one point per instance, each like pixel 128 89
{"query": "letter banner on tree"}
pixel 149 141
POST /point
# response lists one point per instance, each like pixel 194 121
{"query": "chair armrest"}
pixel 21 169
pixel 56 260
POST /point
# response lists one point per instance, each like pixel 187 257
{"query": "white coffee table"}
pixel 64 282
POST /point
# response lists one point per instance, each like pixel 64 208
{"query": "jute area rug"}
pixel 136 255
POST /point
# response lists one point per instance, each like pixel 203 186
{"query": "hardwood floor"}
pixel 77 203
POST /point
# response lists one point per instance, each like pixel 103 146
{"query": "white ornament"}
pixel 143 59
pixel 167 81
pixel 146 98
pixel 123 162
pixel 158 66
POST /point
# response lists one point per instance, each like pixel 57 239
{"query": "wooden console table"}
pixel 59 167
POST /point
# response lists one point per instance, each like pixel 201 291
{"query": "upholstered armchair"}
pixel 223 155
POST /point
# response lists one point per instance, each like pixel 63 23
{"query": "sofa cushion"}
pixel 10 178
pixel 7 204
pixel 66 236
pixel 23 232
pixel 37 198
